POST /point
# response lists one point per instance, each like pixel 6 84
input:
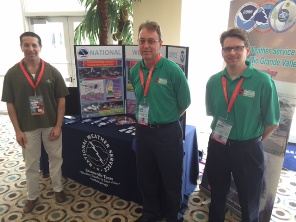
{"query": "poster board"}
pixel 99 71
pixel 103 77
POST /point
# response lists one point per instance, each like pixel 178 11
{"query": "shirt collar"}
pixel 246 74
pixel 158 65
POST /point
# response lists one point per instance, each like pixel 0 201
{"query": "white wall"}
pixel 201 28
pixel 11 28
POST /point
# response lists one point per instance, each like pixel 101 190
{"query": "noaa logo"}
pixel 83 53
pixel 182 56
pixel 283 16
pixel 97 153
pixel 245 16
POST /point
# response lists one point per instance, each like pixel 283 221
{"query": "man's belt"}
pixel 243 142
pixel 156 125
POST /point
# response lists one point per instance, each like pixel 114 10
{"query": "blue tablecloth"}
pixel 104 159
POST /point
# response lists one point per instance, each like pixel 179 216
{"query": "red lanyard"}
pixel 28 76
pixel 146 87
pixel 224 84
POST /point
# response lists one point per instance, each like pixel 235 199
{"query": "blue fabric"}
pixel 123 170
pixel 290 157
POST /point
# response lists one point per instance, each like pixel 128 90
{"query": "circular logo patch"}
pixel 283 16
pixel 97 153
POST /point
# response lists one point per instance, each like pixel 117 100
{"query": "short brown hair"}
pixel 151 26
pixel 235 32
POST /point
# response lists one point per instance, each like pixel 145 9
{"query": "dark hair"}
pixel 235 32
pixel 151 26
pixel 31 34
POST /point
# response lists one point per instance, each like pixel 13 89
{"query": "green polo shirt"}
pixel 17 90
pixel 256 105
pixel 168 92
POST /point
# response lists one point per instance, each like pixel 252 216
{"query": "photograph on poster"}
pixel 287 104
pixel 89 73
pixel 131 106
pixel 130 95
pixel 89 109
pixel 111 108
pixel 111 72
pixel 113 89
pixel 129 86
pixel 92 90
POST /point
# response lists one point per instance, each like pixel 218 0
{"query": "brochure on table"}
pixel 103 77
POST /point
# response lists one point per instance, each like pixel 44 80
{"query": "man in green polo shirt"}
pixel 245 108
pixel 162 94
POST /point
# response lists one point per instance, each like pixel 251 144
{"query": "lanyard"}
pixel 34 86
pixel 146 87
pixel 224 84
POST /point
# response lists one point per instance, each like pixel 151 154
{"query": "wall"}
pixel 200 30
pixel 166 12
pixel 9 38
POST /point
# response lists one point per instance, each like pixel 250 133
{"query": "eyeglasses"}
pixel 149 41
pixel 235 48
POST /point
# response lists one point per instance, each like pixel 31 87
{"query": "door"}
pixel 57 36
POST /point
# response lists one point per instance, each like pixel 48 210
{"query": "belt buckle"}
pixel 155 125
pixel 150 125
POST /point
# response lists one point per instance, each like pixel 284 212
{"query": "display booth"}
pixel 104 157
pixel 103 78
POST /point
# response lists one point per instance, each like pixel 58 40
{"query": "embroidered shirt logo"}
pixel 161 81
pixel 249 93
pixel 48 81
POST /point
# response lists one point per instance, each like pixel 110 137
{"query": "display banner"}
pixel 99 72
pixel 103 77
pixel 272 29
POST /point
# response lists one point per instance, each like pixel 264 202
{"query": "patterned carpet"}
pixel 86 204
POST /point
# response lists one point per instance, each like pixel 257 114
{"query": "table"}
pixel 104 159
pixel 190 165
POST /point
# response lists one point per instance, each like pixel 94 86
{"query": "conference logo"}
pixel 83 53
pixel 245 16
pixel 97 153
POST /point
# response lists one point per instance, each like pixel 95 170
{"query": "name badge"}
pixel 143 114
pixel 222 130
pixel 36 105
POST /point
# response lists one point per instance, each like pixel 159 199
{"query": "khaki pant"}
pixel 32 160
